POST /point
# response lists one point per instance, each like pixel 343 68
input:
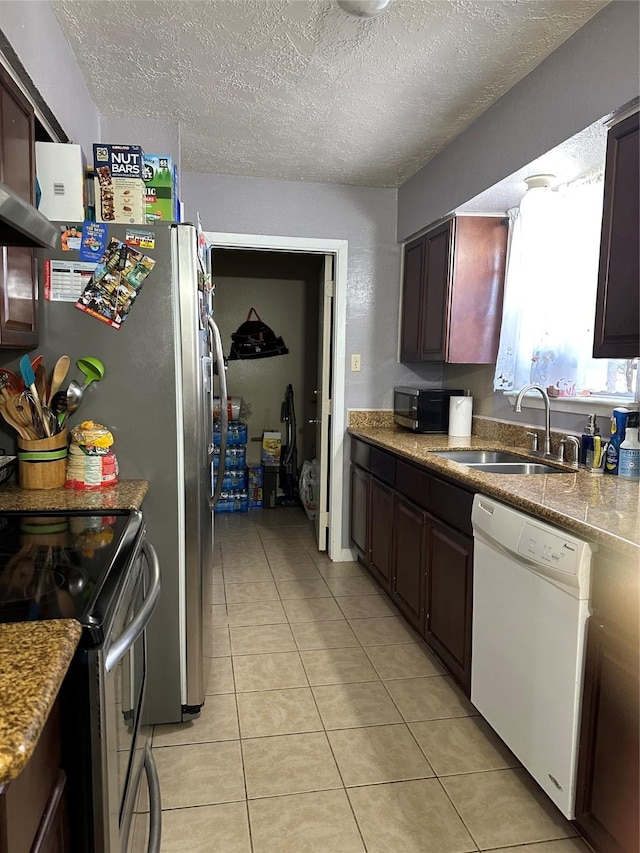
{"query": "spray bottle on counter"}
pixel 618 426
pixel 629 459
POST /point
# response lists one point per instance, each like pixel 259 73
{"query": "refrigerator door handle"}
pixel 224 414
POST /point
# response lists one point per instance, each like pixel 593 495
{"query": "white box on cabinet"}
pixel 61 169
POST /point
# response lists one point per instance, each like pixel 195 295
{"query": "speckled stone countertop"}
pixel 34 658
pixel 127 494
pixel 602 508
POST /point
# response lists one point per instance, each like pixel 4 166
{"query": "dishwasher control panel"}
pixel 547 548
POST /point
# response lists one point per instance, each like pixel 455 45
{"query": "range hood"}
pixel 21 224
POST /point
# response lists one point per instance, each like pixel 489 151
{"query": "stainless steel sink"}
pixel 498 462
pixel 515 468
pixel 478 456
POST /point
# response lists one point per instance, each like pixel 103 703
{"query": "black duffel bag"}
pixel 254 339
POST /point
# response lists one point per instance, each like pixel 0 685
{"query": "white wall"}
pixel 37 38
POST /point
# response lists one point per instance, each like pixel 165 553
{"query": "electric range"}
pixel 97 568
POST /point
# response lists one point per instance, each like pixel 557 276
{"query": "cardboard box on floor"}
pixel 271 447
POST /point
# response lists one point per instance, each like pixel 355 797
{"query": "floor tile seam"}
pixel 256 624
pixel 397 677
pixel 324 648
pixel 337 683
pixel 455 808
pixel 197 742
pixel 294 794
pixel 314 790
pixel 388 782
pixel 326 734
pixel 427 779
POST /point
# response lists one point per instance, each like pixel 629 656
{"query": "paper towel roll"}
pixel 460 412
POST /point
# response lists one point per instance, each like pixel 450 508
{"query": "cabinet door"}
pixel 359 512
pixel 617 323
pixel 435 303
pixel 449 597
pixel 381 529
pixel 409 524
pixel 412 287
pixel 53 836
pixel 608 770
pixel 18 279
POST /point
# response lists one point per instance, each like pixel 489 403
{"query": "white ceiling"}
pixel 299 89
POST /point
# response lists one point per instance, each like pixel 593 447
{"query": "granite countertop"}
pixel 602 508
pixel 127 494
pixel 34 658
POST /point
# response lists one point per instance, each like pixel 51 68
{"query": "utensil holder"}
pixel 42 464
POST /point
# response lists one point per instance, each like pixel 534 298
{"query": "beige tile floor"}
pixel 329 727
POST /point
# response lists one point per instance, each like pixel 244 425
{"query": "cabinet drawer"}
pixel 383 466
pixel 413 483
pixel 451 504
pixel 361 453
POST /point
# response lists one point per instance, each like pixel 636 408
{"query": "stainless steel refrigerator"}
pixel 156 397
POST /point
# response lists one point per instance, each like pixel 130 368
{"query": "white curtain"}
pixel 550 292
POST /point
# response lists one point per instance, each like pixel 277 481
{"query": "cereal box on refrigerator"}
pixel 119 186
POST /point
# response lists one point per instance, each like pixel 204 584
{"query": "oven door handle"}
pixel 121 645
pixel 155 803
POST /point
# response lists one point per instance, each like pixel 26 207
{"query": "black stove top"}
pixel 61 565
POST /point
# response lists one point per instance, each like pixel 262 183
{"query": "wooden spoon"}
pixel 8 416
pixel 41 381
pixel 58 376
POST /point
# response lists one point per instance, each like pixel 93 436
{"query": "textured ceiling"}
pixel 299 90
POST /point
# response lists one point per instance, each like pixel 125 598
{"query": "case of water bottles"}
pixel 234 496
pixel 233 479
pixel 235 458
pixel 233 501
pixel 237 434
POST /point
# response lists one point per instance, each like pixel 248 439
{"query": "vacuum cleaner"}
pixel 289 454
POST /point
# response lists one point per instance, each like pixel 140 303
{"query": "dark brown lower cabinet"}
pixel 359 511
pixel 449 597
pixel 381 529
pixel 33 816
pixel 608 769
pixel 409 539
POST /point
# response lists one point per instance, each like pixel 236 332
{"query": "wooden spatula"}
pixel 60 370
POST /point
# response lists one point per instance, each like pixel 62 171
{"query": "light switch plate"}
pixel 355 362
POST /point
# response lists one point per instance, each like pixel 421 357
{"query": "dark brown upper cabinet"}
pixel 18 275
pixel 617 323
pixel 453 284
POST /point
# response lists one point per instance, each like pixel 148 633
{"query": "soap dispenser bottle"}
pixel 629 460
pixel 588 444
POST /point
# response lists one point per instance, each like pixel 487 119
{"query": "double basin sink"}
pixel 497 462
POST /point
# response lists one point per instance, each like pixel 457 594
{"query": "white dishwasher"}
pixel 530 607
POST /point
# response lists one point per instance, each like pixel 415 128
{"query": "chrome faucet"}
pixel 547 412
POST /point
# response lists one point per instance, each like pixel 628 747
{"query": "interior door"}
pixel 323 394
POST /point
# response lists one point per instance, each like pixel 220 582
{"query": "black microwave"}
pixel 423 409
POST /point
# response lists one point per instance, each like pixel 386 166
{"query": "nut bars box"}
pixel 119 186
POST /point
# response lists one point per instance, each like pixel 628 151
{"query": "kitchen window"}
pixel 550 294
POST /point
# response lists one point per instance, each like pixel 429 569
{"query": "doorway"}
pixel 293 272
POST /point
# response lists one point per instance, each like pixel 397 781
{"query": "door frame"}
pixel 317 246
